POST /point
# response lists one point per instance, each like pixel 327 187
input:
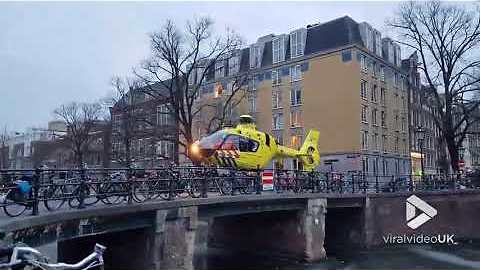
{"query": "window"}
pixel 403 123
pixel 296 118
pixel 278 121
pixel 252 104
pixel 375 142
pixel 296 43
pixel 383 96
pixel 295 96
pixel 396 79
pixel 365 165
pixel 374 117
pixel 396 144
pixel 384 143
pixel 255 56
pixel 385 166
pixel 363 63
pixel 382 73
pixel 116 146
pixel 163 115
pixel 278 138
pixel 117 120
pixel 140 147
pixel 252 84
pixel 364 113
pixel 247 145
pixel 233 65
pixel 396 123
pixel 235 142
pixel 296 73
pixel 219 69
pixel 347 56
pixel 164 148
pixel 296 141
pixel 276 99
pixel 374 68
pixel 374 93
pixel 383 118
pixel 276 77
pixel 363 89
pixel 375 166
pixel 364 140
pixel 278 49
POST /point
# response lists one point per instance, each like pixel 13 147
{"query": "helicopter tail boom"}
pixel 309 151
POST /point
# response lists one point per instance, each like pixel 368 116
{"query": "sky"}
pixel 53 53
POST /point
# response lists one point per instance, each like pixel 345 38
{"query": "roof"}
pixel 321 37
pixel 339 32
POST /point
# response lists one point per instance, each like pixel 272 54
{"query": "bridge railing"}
pixel 37 191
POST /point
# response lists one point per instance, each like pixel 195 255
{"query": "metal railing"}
pixel 42 190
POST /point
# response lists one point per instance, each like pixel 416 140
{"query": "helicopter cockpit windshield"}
pixel 222 140
pixel 214 141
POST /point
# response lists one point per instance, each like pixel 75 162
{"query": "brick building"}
pixel 144 125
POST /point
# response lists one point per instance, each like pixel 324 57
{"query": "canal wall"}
pixel 457 214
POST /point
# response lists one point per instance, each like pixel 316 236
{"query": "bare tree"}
pixel 81 120
pixel 447 39
pixel 124 105
pixel 182 61
pixel 133 120
pixel 4 137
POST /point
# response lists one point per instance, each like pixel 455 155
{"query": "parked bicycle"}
pixel 22 257
pixel 17 196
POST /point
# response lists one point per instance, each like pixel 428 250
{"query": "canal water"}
pixel 460 256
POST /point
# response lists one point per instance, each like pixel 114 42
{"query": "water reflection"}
pixel 462 256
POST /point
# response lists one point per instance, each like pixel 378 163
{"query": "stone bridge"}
pixel 177 234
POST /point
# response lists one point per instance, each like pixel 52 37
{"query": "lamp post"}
pixel 421 137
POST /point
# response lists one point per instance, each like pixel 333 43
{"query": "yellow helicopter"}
pixel 244 147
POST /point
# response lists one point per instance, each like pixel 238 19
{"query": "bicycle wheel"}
pixel 321 186
pixel 195 188
pixel 245 186
pixel 113 193
pixel 296 185
pixel 226 186
pixel 54 197
pixel 92 196
pixel 89 194
pixel 143 191
pixel 182 189
pixel 161 189
pixel 11 204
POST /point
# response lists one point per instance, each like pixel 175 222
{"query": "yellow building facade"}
pixel 346 90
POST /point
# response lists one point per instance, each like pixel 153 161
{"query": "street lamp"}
pixel 461 152
pixel 421 137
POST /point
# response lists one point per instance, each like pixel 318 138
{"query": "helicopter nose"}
pixel 200 152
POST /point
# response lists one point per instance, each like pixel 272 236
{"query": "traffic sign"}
pixel 267 180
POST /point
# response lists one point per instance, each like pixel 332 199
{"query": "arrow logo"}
pixel 428 212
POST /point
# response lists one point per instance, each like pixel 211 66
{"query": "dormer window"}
pixel 278 48
pixel 297 43
pixel 255 56
pixel 233 65
pixel 219 68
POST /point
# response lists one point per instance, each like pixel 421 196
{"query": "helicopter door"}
pixel 250 156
